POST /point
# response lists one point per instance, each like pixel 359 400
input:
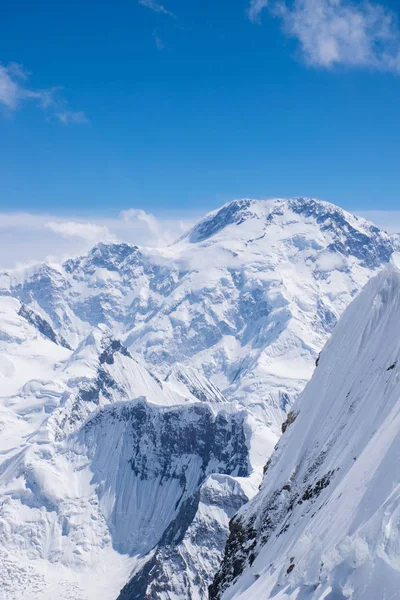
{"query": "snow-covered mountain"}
pixel 248 296
pixel 326 521
pixel 102 461
pixel 143 391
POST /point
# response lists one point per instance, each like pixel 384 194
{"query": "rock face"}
pixel 191 548
pixel 165 457
pixel 168 458
pixel 143 391
pixel 42 326
pixel 325 522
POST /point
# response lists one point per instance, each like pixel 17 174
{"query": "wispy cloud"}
pixel 68 117
pixel 15 91
pixel 158 41
pixel 156 7
pixel 85 231
pixel 339 32
pixel 159 233
pixel 255 9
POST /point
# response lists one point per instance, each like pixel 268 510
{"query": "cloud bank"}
pixel 28 238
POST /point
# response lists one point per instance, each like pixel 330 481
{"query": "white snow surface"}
pixel 326 521
pixel 110 450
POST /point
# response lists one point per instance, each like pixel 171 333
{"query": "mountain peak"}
pixel 278 220
pixel 110 256
pixel 97 348
pixel 234 212
pixel 242 210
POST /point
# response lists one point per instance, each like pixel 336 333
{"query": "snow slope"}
pixel 326 521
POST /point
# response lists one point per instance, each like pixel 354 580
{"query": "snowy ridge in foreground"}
pixel 326 521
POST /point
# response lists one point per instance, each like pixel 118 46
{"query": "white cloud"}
pixel 255 9
pixel 339 32
pixel 28 238
pixel 14 91
pixel 68 117
pixel 156 7
pixel 9 89
pixel 158 41
pixel 157 233
pixel 86 231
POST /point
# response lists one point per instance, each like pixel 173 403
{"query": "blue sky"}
pixel 179 106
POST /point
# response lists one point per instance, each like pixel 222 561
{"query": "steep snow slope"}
pixel 326 521
pixel 184 378
pixel 25 351
pixel 248 296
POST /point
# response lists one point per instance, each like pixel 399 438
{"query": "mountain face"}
pixel 187 556
pixel 325 523
pixel 144 390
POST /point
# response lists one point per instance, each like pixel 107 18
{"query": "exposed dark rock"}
pixel 108 355
pixel 239 551
pixel 290 568
pixel 291 417
pixel 312 491
pixel 174 438
pixel 234 212
pixel 247 537
pixel 42 326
